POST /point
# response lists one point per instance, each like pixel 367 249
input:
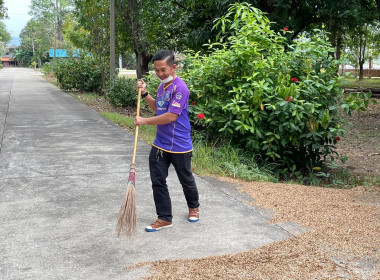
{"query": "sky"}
pixel 18 15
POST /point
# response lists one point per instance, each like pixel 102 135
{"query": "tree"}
pixel 378 8
pixel 3 10
pixel 52 13
pixel 112 39
pixel 132 33
pixel 361 44
pixel 360 33
pixel 197 17
pixel 93 24
pixel 148 25
pixel 35 43
pixel 5 36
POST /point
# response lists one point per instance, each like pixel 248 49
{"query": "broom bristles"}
pixel 126 224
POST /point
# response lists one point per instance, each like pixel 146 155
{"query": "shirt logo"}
pixel 167 95
pixel 161 103
pixel 176 104
pixel 178 96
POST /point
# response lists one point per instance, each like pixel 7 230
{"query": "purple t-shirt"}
pixel 174 137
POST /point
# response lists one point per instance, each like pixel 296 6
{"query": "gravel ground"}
pixel 343 241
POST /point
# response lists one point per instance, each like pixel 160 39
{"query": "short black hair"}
pixel 166 55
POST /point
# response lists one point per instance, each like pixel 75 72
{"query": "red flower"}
pixel 193 103
pixel 71 69
pixel 200 116
pixel 338 138
pixel 286 29
pixel 289 98
pixel 294 80
pixel 95 65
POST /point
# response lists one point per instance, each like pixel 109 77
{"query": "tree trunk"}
pixel 112 39
pixel 59 20
pixel 362 48
pixel 361 72
pixel 143 60
pixel 339 44
pixel 141 47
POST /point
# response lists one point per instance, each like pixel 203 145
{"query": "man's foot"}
pixel 193 215
pixel 157 225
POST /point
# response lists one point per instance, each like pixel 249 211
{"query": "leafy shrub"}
pixel 79 73
pixel 122 92
pixel 278 100
pixel 47 68
pixel 152 84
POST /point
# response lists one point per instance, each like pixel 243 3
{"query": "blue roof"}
pixel 62 53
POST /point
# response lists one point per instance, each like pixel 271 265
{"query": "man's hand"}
pixel 139 121
pixel 141 84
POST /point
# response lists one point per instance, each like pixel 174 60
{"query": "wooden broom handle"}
pixel 137 128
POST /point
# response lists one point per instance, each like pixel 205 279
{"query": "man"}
pixel 173 144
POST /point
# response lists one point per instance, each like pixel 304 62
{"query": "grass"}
pixel 146 132
pixel 365 83
pixel 226 161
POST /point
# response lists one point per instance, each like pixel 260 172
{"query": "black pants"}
pixel 159 162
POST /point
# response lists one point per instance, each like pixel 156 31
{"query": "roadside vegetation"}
pixel 273 119
pixel 223 160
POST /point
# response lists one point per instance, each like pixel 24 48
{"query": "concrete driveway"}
pixel 63 174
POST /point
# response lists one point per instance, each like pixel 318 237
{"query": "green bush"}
pixel 152 84
pixel 122 92
pixel 278 100
pixel 79 73
pixel 47 68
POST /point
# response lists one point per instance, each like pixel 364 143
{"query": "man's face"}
pixel 163 69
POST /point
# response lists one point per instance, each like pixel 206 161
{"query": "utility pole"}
pixel 55 27
pixel 112 39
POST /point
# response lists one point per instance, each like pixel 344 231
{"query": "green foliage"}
pixel 35 44
pixel 152 84
pixel 79 73
pixel 5 36
pixel 279 101
pixel 121 92
pixel 3 10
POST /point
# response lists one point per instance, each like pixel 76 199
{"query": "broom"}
pixel 126 223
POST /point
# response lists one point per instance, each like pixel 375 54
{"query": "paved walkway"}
pixel 63 174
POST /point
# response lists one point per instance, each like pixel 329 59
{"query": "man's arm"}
pixel 151 102
pixel 157 120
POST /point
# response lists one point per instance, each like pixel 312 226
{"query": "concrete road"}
pixel 63 174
